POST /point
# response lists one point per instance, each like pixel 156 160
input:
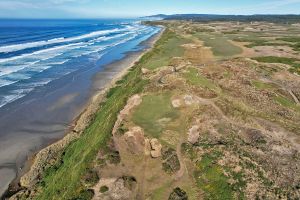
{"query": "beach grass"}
pixel 64 180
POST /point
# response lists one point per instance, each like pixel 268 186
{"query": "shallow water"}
pixel 46 76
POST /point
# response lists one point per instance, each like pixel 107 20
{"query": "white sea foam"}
pixel 4 82
pixel 14 96
pixel 17 47
pixel 54 49
pixel 43 59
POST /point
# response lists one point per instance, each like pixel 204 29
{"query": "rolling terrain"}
pixel 211 112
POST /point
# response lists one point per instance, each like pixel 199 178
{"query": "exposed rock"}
pixel 145 71
pixel 155 148
pixel 193 134
pixel 176 103
pixel 135 140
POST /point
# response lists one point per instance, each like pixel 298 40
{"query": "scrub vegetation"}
pixel 202 115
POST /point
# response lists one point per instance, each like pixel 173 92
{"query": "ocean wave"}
pixel 36 53
pixel 15 69
pixel 14 96
pixel 18 47
pixel 4 82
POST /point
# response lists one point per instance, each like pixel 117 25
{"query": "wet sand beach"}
pixel 48 113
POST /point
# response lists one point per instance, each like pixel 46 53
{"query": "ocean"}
pixel 36 52
pixel 49 69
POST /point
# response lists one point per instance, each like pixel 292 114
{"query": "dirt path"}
pixel 183 168
pixel 142 185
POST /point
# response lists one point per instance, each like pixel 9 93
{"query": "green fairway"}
pixel 154 113
pixel 220 45
pixel 171 47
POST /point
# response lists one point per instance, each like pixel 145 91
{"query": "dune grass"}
pixel 219 44
pixel 284 101
pixel 154 113
pixel 262 85
pixel 210 178
pixel 294 40
pixel 64 180
pixel 274 59
pixel 289 39
pixel 257 41
pixel 293 62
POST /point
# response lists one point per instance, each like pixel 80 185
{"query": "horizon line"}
pixel 135 17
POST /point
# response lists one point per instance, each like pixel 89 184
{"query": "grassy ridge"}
pixel 63 181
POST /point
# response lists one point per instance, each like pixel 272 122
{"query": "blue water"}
pixel 35 52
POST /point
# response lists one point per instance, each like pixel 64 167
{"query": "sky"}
pixel 136 8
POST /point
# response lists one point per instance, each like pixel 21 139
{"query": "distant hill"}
pixel 159 16
pixel 245 18
pixel 155 17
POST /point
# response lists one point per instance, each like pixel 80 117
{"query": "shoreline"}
pixel 39 160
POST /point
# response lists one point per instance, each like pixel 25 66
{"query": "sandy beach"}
pixel 68 112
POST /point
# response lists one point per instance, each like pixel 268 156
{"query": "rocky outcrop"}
pixel 193 134
pixel 135 140
pixel 145 71
pixel 155 148
pixel 176 103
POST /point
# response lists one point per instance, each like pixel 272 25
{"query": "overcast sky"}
pixel 134 8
